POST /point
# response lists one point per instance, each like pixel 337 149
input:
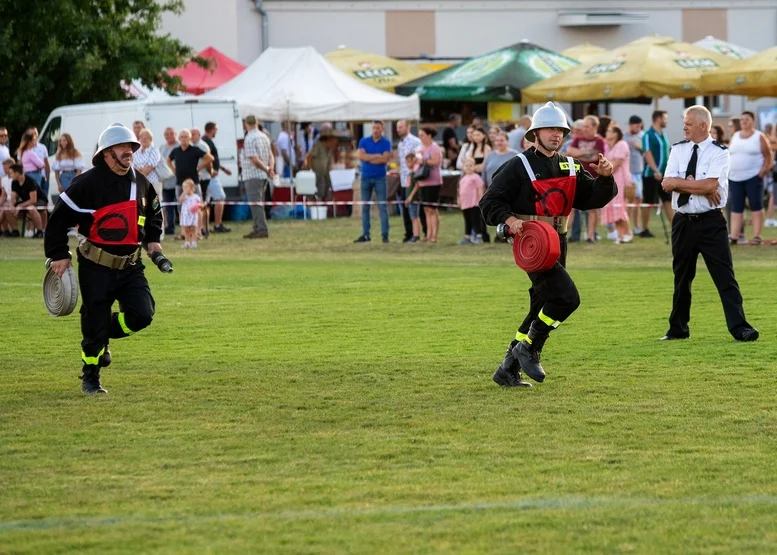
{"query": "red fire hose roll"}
pixel 538 247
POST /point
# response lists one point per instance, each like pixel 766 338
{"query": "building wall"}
pixel 248 31
pixel 200 25
pixel 465 28
pixel 326 30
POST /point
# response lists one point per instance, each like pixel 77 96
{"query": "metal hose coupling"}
pixel 162 262
pixel 503 233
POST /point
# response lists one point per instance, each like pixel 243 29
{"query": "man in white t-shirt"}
pixel 5 154
pixel 287 147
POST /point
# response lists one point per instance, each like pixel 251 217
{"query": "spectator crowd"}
pixel 185 167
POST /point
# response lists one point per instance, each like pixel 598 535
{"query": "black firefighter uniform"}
pixel 116 214
pixel 533 186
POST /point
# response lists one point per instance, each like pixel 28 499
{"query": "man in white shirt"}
pixel 258 164
pixel 287 149
pixel 5 154
pixel 697 176
pixel 170 195
pixel 408 144
pixel 515 137
pixel 5 182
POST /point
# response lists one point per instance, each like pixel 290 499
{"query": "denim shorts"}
pixel 66 178
pixel 215 191
pixel 751 189
pixel 413 209
pixel 636 178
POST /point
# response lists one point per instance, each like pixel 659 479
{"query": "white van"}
pixel 85 122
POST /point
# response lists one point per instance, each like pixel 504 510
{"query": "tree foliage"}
pixel 59 52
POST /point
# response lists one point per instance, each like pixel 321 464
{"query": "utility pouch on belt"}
pixel 99 256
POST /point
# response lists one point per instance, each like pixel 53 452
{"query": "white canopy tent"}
pixel 299 84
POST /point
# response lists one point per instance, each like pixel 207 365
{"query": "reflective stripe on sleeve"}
pixel 67 200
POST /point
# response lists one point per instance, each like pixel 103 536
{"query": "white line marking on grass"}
pixel 582 503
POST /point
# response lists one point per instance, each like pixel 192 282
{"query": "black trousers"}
pixel 168 195
pixel 473 221
pixel 704 234
pixel 100 288
pixel 553 292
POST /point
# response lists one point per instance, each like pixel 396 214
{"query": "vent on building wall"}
pixel 595 19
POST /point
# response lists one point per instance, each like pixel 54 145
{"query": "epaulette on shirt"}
pixel 682 142
pixel 720 145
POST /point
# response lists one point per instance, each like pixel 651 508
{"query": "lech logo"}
pixel 696 63
pixel 604 68
pixel 478 68
pixel 375 73
pixel 547 64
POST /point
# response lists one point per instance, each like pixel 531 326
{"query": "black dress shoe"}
pixel 747 334
pixel 668 337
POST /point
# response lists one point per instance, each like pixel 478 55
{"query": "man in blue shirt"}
pixel 374 153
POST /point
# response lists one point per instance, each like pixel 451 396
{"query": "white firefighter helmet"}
pixel 549 115
pixel 115 134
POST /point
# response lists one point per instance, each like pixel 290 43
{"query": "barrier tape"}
pixel 324 203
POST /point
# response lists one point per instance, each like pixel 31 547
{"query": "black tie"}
pixel 690 172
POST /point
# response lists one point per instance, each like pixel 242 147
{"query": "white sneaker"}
pixel 770 223
pixel 627 239
pixel 185 245
pixel 636 230
pixel 193 245
pixel 28 234
pixel 612 235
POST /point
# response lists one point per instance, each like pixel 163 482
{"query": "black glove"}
pixel 161 262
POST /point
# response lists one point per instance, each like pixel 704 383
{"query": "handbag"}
pixel 163 171
pixel 422 172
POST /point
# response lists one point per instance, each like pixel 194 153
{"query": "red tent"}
pixel 197 80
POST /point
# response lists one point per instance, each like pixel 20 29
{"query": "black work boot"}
pixel 528 351
pixel 90 380
pixel 105 358
pixel 509 372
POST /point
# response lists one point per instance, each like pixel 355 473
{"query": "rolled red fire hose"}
pixel 538 247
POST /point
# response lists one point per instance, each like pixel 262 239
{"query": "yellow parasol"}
pixel 583 52
pixel 378 71
pixel 649 67
pixel 754 76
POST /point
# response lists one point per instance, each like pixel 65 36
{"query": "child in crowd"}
pixel 471 190
pixel 413 208
pixel 191 204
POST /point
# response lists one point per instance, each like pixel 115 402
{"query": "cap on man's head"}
pixel 250 119
pixel 635 119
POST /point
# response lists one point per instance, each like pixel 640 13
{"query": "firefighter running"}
pixel 541 184
pixel 116 210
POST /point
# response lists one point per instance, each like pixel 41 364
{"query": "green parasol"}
pixel 493 77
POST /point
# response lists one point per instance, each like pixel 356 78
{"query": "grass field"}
pixel 307 395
